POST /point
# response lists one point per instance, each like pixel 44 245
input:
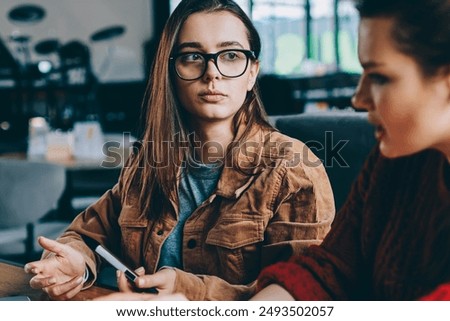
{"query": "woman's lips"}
pixel 212 96
pixel 379 132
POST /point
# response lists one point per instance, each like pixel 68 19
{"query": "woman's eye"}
pixel 230 55
pixel 378 79
pixel 191 57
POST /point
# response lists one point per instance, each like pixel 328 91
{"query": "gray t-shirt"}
pixel 197 183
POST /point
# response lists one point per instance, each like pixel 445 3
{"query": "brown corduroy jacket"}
pixel 249 221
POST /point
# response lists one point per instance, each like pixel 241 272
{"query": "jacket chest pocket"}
pixel 133 233
pixel 237 240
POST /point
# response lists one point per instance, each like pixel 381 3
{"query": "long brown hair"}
pixel 154 170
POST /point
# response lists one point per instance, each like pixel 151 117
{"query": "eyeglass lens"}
pixel 230 63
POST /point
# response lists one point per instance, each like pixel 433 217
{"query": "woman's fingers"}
pixel 42 282
pixel 69 294
pixel 65 290
pixel 52 246
pixel 123 283
pixel 32 267
pixel 120 296
pixel 46 267
pixel 40 266
pixel 140 271
pixel 163 280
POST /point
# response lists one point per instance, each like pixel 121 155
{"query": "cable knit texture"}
pixel 389 242
pixel 442 293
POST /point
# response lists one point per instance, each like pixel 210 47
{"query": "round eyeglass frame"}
pixel 250 54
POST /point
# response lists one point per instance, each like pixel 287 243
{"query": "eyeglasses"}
pixel 231 63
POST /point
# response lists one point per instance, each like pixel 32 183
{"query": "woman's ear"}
pixel 254 70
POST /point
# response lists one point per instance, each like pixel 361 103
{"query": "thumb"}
pixel 140 271
pixel 51 245
pixel 164 279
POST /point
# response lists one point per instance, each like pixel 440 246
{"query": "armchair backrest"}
pixel 342 140
pixel 28 191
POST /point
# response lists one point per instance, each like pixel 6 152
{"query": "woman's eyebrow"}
pixel 371 64
pixel 198 45
pixel 194 45
pixel 230 44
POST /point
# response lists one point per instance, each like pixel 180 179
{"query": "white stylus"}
pixel 115 262
pixel 111 259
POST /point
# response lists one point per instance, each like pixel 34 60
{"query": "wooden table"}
pixel 14 282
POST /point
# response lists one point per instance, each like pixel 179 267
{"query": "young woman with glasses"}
pixel 214 193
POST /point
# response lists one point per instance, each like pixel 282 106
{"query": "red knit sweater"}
pixel 390 241
pixel 442 293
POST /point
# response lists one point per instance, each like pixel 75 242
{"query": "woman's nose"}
pixel 211 71
pixel 361 98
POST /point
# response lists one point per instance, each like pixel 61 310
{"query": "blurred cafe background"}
pixel 72 80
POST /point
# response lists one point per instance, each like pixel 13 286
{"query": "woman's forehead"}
pixel 374 38
pixel 213 29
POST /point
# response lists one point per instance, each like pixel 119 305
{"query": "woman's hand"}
pixel 61 275
pixel 163 281
pixel 273 292
pixel 127 296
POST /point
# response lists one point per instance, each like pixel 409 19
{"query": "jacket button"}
pixel 160 232
pixel 191 244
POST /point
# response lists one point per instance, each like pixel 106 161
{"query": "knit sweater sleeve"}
pixel 335 269
pixel 441 293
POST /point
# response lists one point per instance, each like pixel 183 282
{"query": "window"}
pixel 174 4
pixel 282 27
pixel 348 36
pixel 322 46
pixel 288 49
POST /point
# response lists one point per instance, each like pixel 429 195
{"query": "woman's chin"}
pixel 391 151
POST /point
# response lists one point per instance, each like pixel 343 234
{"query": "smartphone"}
pixel 115 262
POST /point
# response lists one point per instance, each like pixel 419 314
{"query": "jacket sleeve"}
pixel 100 222
pixel 303 210
pixel 330 271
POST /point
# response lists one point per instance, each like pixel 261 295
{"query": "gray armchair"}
pixel 28 191
pixel 342 140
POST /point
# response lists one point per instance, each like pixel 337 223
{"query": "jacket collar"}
pixel 251 159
